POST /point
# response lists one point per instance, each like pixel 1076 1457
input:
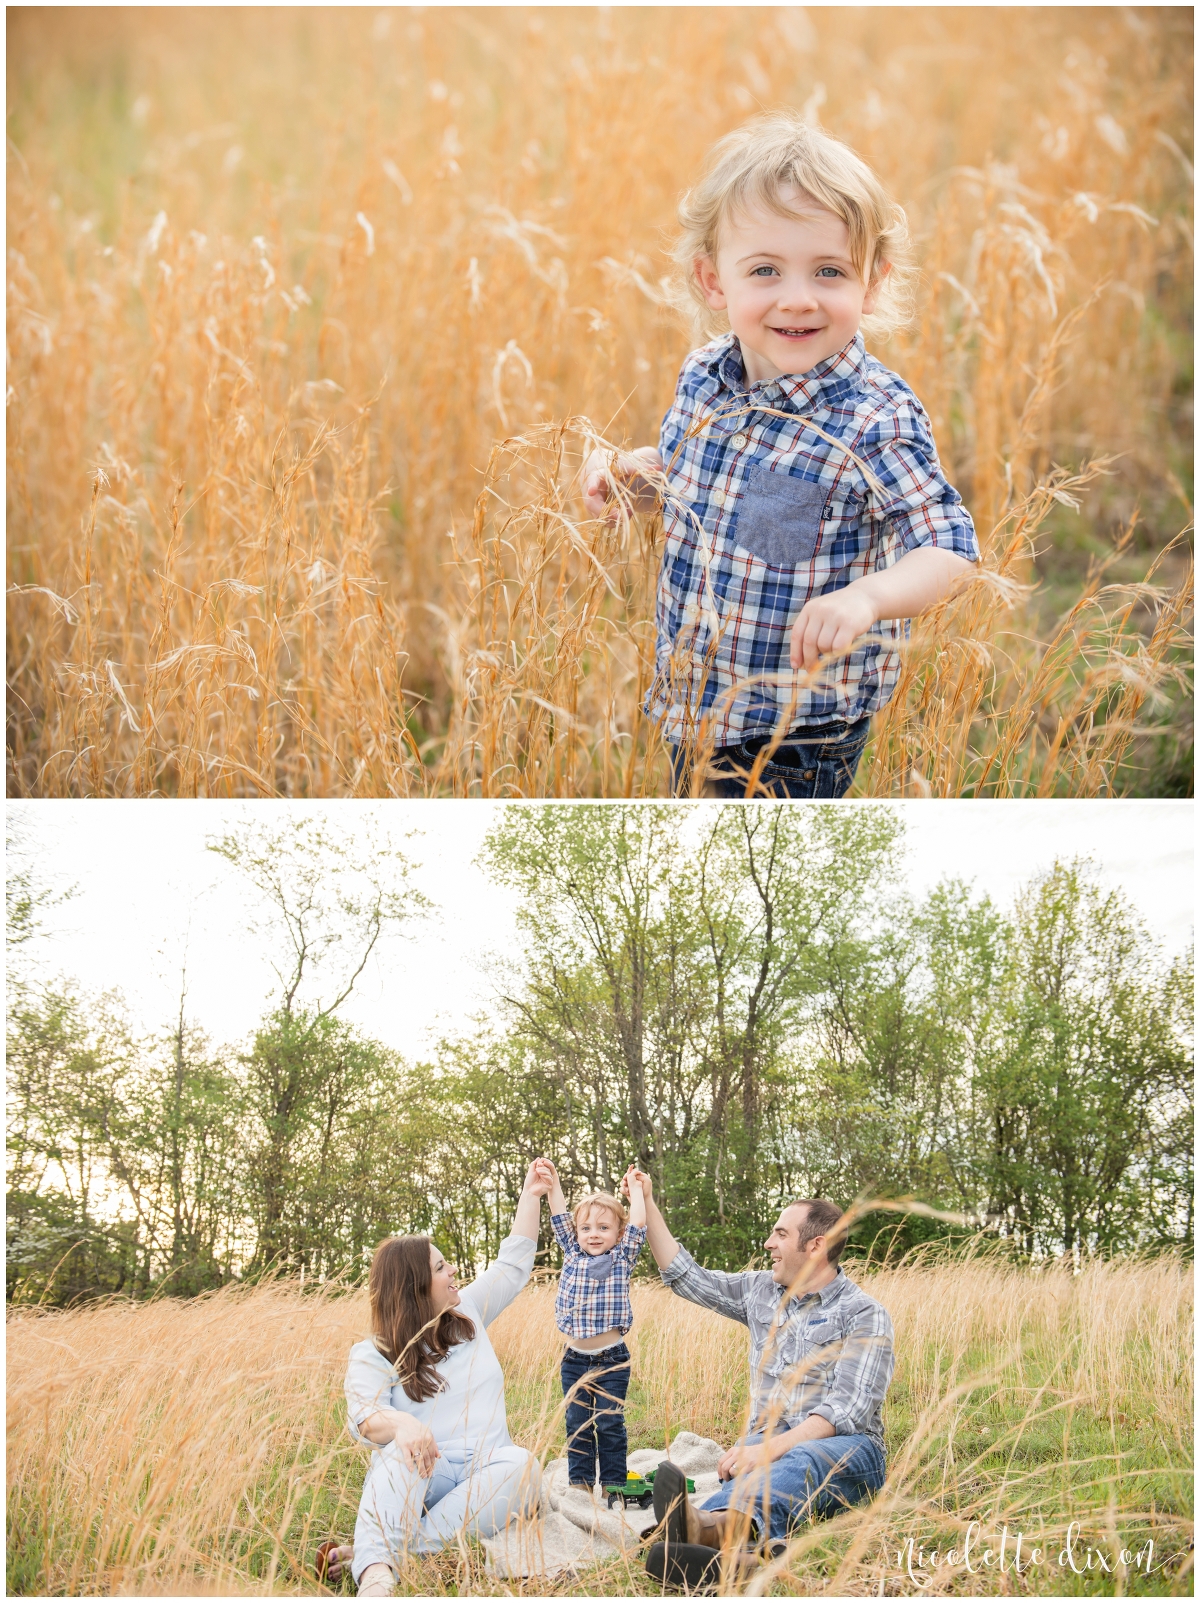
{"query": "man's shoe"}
pixel 679 1519
pixel 670 1505
pixel 684 1566
pixel 691 1567
pixel 707 1526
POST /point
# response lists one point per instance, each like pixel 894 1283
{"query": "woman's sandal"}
pixel 332 1561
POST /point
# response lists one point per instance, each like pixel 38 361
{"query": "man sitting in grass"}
pixel 821 1359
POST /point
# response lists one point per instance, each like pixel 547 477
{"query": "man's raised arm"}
pixel 710 1288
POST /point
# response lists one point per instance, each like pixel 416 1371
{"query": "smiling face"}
pixel 788 1258
pixel 788 284
pixel 598 1230
pixel 443 1292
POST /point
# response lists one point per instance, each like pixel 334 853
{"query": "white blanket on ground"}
pixel 572 1529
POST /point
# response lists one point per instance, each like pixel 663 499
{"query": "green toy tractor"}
pixel 638 1489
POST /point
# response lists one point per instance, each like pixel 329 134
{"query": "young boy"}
pixel 806 516
pixel 600 1244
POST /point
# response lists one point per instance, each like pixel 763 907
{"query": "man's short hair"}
pixel 820 1220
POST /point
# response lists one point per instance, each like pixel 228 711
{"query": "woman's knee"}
pixel 523 1467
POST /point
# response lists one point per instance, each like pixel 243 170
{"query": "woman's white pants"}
pixel 472 1493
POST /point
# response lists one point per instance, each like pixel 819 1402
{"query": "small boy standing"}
pixel 600 1244
pixel 805 513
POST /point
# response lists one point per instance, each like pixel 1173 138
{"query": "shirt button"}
pixel 738 440
pixel 718 498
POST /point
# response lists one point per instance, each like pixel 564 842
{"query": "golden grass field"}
pixel 312 314
pixel 192 1447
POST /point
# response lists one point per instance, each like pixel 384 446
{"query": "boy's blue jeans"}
pixel 815 763
pixel 596 1414
pixel 814 1479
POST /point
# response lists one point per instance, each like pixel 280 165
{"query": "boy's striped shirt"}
pixel 764 513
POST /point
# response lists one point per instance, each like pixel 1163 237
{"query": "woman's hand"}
pixel 601 470
pixel 554 1190
pixel 528 1219
pixel 414 1440
pixel 540 1178
pixel 416 1445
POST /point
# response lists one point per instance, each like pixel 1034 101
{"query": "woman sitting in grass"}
pixel 427 1394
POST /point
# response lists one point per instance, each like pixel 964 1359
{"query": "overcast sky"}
pixel 143 878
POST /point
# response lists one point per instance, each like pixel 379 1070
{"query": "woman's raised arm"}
pixel 496 1287
pixel 528 1216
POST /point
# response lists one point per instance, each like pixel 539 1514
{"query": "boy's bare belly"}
pixel 593 1344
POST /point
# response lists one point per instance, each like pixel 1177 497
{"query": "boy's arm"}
pixel 662 1243
pixel 626 470
pixel 634 1238
pixel 830 624
pixel 637 1201
pixel 548 1175
pixel 909 491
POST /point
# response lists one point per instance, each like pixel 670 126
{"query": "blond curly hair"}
pixel 600 1199
pixel 758 163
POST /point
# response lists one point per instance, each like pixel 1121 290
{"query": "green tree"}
pixel 327 904
pixel 670 952
pixel 1087 1083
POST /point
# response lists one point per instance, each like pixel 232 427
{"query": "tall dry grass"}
pixel 198 1447
pixel 313 313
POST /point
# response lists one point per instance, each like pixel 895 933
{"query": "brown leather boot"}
pixel 706 1527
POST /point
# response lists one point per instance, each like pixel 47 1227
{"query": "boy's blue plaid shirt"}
pixel 763 514
pixel 586 1307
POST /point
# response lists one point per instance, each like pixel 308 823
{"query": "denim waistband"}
pixel 804 734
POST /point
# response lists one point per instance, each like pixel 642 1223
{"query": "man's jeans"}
pixel 814 1479
pixel 814 763
pixel 596 1414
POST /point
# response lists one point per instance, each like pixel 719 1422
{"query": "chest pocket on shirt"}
pixel 779 517
pixel 803 1352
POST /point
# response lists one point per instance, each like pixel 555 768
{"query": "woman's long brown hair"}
pixel 405 1328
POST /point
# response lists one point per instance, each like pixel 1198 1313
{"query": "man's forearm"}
pixel 813 1428
pixel 662 1243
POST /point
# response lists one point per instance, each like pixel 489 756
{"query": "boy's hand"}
pixel 598 474
pixel 637 1176
pixel 829 626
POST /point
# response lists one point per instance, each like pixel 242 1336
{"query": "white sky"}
pixel 143 874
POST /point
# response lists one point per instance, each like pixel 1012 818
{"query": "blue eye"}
pixel 833 271
pixel 759 271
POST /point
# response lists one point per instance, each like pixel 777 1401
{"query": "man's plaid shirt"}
pixel 826 1352
pixel 763 513
pixel 586 1307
